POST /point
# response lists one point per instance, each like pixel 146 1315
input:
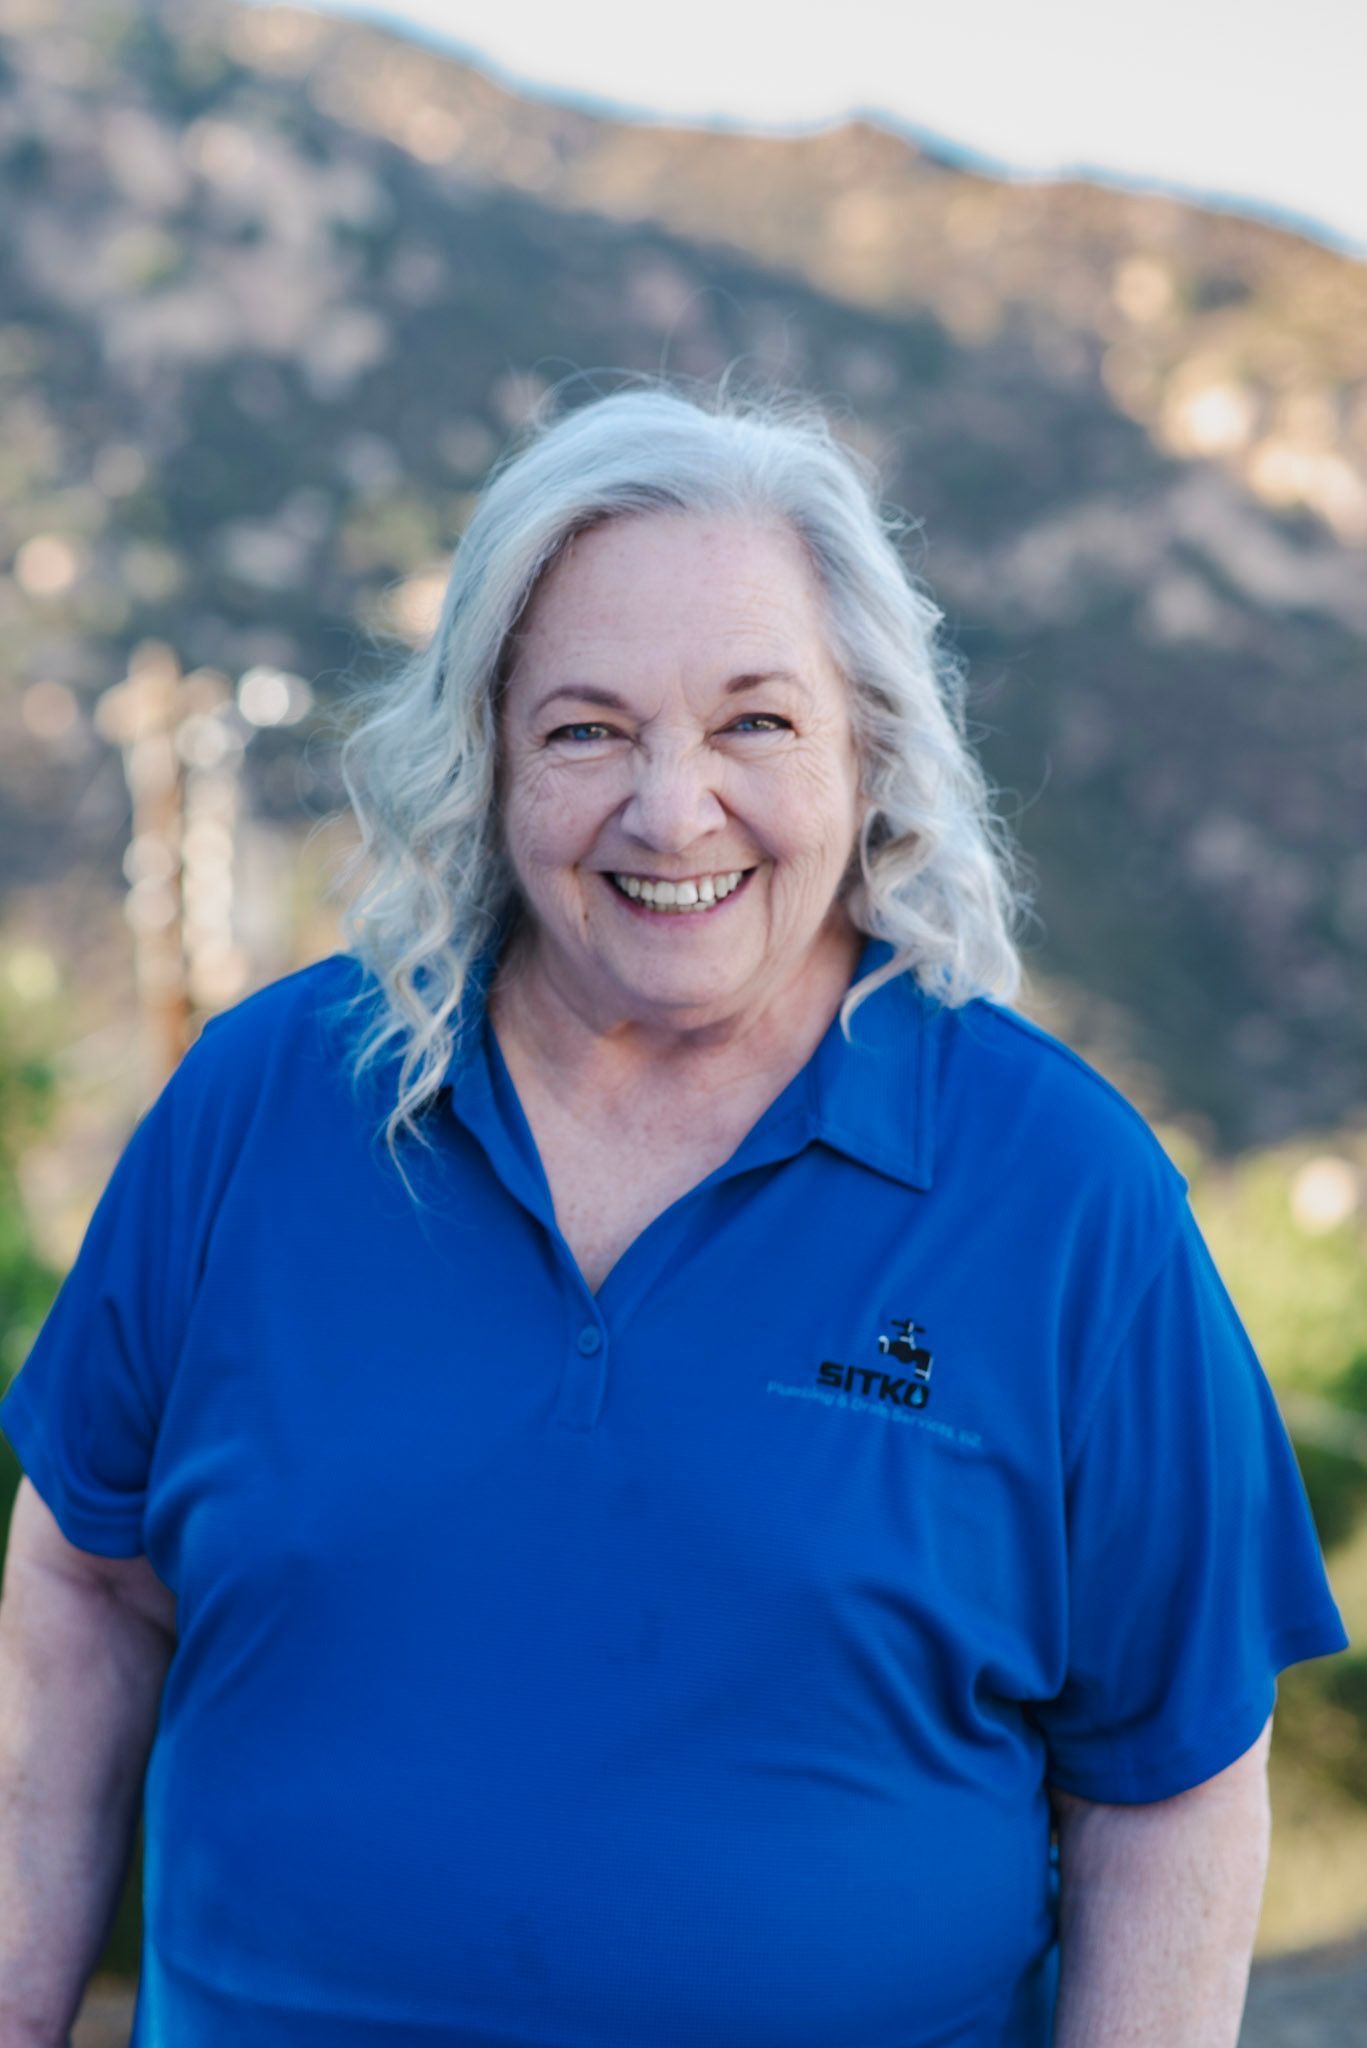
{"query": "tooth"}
pixel 633 885
pixel 706 892
pixel 664 892
pixel 686 892
pixel 647 889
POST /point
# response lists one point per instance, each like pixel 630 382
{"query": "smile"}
pixel 693 896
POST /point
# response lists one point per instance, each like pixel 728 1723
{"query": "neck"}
pixel 581 1050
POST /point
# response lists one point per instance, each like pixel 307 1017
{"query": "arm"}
pixel 1158 1909
pixel 84 1646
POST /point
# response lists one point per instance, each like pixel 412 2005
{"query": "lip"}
pixel 643 910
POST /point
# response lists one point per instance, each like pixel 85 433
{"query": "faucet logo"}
pixel 905 1349
pixel 909 1389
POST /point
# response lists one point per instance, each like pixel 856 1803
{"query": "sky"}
pixel 1237 102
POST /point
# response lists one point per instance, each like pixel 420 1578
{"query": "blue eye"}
pixel 588 730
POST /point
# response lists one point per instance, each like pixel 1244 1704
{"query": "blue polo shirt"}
pixel 686 1662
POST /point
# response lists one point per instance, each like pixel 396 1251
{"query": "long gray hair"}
pixel 936 873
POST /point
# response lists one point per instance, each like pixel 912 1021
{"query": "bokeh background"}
pixel 276 284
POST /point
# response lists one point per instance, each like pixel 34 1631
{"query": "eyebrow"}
pixel 586 693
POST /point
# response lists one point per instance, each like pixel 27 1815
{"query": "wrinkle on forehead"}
pixel 601 600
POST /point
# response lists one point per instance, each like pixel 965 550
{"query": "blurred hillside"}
pixel 273 288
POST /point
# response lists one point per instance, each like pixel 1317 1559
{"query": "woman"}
pixel 643 1556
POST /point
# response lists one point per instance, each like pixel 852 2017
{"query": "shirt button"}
pixel 590 1339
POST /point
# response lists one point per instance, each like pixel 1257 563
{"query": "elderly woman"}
pixel 648 1554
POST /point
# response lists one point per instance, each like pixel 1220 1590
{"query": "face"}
pixel 674 726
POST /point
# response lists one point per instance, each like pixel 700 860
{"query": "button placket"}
pixel 583 1383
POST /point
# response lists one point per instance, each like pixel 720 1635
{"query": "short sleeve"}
pixel 83 1411
pixel 1194 1569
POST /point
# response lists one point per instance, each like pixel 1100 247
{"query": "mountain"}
pixel 274 287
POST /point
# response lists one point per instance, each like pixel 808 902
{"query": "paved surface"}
pixel 1317 1999
pixel 105 2016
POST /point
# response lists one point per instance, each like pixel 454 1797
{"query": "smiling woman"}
pixel 660 1584
pixel 666 610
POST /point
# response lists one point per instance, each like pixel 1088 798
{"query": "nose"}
pixel 674 800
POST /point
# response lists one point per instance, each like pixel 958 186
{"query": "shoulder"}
pixel 1026 1065
pixel 283 1017
pixel 1021 1106
pixel 292 998
pixel 279 1042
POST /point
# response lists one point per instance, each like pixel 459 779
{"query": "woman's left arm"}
pixel 1158 1909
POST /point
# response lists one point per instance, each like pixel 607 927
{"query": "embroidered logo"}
pixel 874 1390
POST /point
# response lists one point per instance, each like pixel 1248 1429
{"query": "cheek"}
pixel 808 809
pixel 549 817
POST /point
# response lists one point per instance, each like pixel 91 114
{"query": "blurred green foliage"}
pixel 1302 1293
pixel 1337 1487
pixel 27 1282
pixel 1299 1281
pixel 1296 1269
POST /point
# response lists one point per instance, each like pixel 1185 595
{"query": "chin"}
pixel 680 983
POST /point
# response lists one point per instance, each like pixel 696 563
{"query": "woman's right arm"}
pixel 85 1642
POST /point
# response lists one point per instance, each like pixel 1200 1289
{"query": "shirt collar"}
pixel 871 1097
